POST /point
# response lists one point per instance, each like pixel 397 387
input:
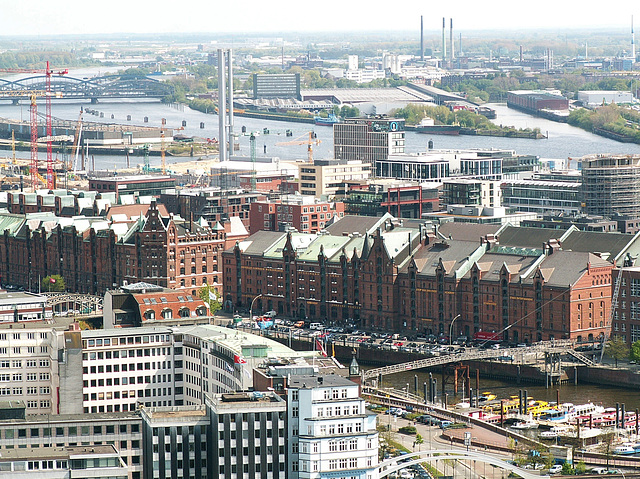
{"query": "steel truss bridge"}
pixel 400 462
pixel 94 89
pixel 560 346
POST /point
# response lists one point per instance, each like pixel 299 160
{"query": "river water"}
pixel 577 394
pixel 564 141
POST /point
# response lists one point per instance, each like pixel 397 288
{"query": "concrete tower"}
pixel 225 103
pixel 421 39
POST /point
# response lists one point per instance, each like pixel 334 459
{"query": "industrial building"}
pixel 604 97
pixel 611 185
pixel 533 101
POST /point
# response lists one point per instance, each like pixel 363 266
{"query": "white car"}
pixel 555 469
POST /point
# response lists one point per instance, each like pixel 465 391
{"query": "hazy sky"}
pixel 37 17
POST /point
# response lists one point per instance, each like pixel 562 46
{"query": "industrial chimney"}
pixel 444 43
pixel 451 53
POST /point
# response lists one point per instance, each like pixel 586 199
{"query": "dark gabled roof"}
pixel 356 224
pixel 467 231
pixel 528 237
pixel 564 268
pixel 453 253
pixel 491 264
pixel 261 241
pixel 596 242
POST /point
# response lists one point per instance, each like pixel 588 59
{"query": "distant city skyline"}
pixel 74 17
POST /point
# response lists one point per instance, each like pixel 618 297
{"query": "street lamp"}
pixel 251 307
pixel 451 328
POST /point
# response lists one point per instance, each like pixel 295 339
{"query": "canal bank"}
pixel 509 371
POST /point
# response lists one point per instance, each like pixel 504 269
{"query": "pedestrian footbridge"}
pixel 400 462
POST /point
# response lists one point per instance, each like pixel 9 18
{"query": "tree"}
pixel 635 351
pixel 581 468
pixel 53 282
pixel 210 296
pixel 616 348
pixel 419 440
pixel 567 469
pixel 606 445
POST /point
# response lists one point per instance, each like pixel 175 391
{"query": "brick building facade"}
pixel 94 254
pixel 396 278
pixel 306 217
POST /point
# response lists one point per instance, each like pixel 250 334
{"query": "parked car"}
pixel 555 469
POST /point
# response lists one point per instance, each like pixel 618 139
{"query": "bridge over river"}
pixel 468 354
pixel 95 88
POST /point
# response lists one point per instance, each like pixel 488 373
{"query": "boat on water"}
pixel 486 396
pixel 328 121
pixel 525 425
pixel 427 125
pixel 625 449
pixel 568 411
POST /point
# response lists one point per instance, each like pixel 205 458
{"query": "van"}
pixel 318 326
pixel 270 314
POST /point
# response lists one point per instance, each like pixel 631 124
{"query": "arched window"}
pixel 149 314
pixel 167 313
pixel 184 312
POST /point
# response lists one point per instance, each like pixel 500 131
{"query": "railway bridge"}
pixel 95 88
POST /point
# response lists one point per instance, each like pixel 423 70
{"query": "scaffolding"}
pixel 611 184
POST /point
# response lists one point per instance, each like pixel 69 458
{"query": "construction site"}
pixel 611 185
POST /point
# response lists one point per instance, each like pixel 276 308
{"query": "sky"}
pixel 63 17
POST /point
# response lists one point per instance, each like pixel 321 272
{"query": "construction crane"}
pixel 76 141
pixel 34 135
pixel 311 140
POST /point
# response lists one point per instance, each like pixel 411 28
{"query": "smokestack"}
pixel 444 43
pixel 521 57
pixel 451 52
pixel 460 44
pixel 421 39
pixel 633 43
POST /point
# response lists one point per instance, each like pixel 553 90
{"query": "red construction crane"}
pixel 34 125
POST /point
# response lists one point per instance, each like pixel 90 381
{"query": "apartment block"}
pixel 330 432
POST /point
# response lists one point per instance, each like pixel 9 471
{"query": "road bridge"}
pixel 94 89
pixel 469 354
pixel 394 464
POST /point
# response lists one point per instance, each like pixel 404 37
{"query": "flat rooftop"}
pixel 40 453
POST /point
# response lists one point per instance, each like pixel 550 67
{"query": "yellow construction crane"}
pixel 311 140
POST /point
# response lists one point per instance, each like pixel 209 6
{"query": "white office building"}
pixel 330 433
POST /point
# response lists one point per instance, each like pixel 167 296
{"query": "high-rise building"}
pixel 368 139
pixel 330 433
